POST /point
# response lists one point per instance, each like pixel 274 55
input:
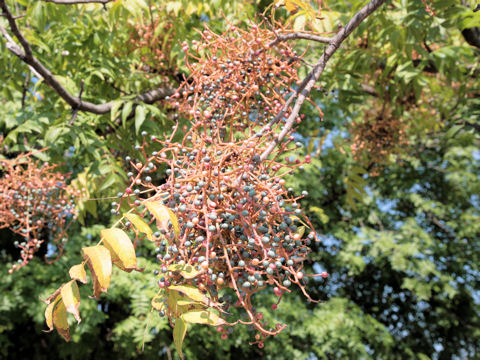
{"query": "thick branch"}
pixel 26 55
pixel 308 83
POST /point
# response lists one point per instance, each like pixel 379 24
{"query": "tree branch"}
pixel 26 55
pixel 74 2
pixel 298 35
pixel 308 83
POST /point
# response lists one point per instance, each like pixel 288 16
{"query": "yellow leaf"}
pixel 186 270
pixel 163 215
pixel 60 320
pixel 100 264
pixel 121 248
pixel 203 317
pixel 158 303
pixel 77 272
pixel 301 231
pixel 71 298
pixel 49 311
pixel 290 5
pixel 179 334
pixel 140 225
pixel 191 292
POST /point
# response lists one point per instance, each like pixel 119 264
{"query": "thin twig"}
pixel 308 83
pixel 75 110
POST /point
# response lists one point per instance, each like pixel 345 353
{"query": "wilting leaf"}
pixel 140 225
pixel 186 270
pixel 163 214
pixel 77 272
pixel 49 310
pixel 202 317
pixel 121 248
pixel 71 298
pixel 100 264
pixel 158 303
pixel 60 320
pixel 179 334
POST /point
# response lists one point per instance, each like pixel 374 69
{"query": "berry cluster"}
pixel 235 219
pixel 34 203
pixel 154 41
pixel 379 135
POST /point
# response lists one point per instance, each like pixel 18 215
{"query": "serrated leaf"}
pixel 140 225
pixel 203 317
pixel 163 215
pixel 71 298
pixel 179 334
pixel 60 320
pixel 187 271
pixel 99 262
pixel 121 248
pixel 77 272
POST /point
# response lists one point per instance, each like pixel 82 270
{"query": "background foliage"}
pixel 400 228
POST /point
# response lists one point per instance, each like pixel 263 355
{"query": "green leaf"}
pixel 139 117
pixel 127 109
pixel 179 334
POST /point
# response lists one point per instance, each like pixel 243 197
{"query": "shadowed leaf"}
pixel 60 320
pixel 179 334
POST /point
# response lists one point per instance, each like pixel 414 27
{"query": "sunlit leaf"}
pixel 158 303
pixel 77 272
pixel 140 225
pixel 99 262
pixel 186 270
pixel 179 334
pixel 192 292
pixel 163 215
pixel 206 317
pixel 121 248
pixel 71 298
